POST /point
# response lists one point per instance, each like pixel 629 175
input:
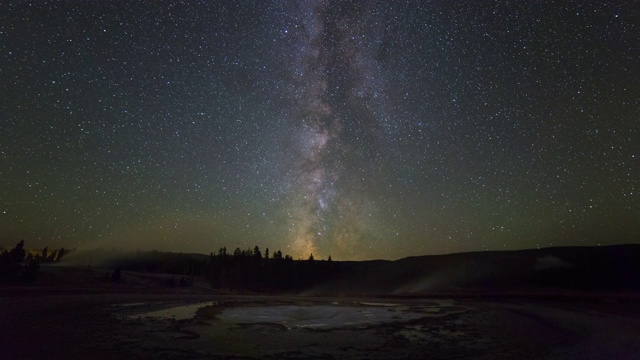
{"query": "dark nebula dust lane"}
pixel 360 130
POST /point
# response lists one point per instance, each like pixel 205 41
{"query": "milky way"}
pixel 327 54
pixel 353 129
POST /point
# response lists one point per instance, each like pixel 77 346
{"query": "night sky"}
pixel 358 130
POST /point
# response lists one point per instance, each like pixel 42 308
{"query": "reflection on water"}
pixel 317 316
pixel 181 312
pixel 377 304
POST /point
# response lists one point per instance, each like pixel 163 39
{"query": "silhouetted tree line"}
pixel 13 267
pixel 163 262
pixel 250 270
pixel 45 255
pixel 247 269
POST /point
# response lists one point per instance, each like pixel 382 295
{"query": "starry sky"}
pixel 360 130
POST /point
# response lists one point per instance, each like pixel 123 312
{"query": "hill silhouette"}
pixel 600 268
pixel 614 268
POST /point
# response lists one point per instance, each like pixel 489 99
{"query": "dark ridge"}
pixel 614 268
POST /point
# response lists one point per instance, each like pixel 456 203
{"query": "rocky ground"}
pixel 130 322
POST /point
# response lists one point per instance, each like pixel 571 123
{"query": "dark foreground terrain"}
pixel 169 326
pixel 557 303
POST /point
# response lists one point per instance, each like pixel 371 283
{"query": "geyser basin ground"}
pixel 278 327
pixel 318 316
pixel 129 326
